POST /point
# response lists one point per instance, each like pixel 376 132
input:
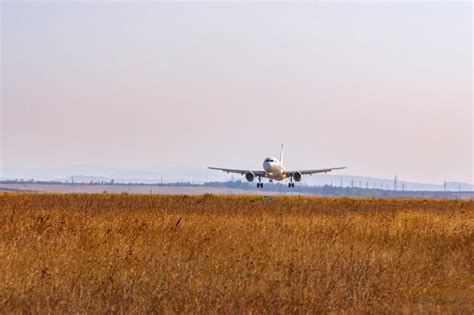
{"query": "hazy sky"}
pixel 382 88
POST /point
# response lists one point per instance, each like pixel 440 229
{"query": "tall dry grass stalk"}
pixel 206 254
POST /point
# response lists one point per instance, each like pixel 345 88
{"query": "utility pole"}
pixel 342 182
pixel 395 182
pixel 352 183
pixel 445 184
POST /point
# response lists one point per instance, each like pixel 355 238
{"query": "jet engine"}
pixel 249 176
pixel 297 176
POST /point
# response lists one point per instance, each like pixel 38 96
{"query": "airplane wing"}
pixel 310 172
pixel 241 172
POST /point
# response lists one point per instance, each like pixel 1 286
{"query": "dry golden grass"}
pixel 206 254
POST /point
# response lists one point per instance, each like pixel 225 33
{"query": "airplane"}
pixel 273 169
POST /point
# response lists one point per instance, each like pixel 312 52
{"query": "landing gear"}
pixel 259 184
pixel 291 184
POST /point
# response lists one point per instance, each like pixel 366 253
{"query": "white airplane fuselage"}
pixel 274 169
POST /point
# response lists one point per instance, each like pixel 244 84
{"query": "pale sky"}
pixel 382 88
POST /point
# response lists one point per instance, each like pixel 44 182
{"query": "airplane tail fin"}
pixel 281 154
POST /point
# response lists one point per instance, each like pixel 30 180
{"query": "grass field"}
pixel 207 254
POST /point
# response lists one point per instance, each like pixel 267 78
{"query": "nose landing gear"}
pixel 259 184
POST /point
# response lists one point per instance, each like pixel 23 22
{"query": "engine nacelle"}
pixel 297 176
pixel 249 176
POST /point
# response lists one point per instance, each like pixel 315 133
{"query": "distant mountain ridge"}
pixel 88 174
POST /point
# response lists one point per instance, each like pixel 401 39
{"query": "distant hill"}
pixel 315 180
pixel 230 187
pixel 88 174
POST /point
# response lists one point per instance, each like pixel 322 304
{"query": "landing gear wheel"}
pixel 291 185
pixel 259 185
